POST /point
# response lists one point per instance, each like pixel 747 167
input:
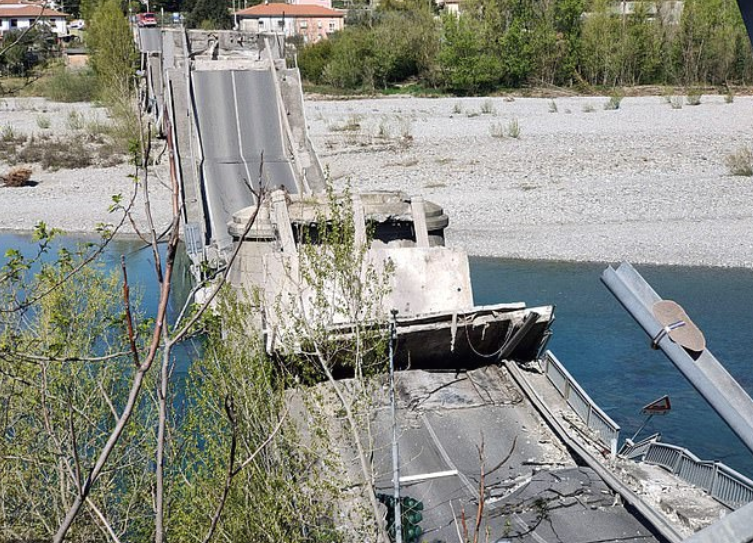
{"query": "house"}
pixel 312 21
pixel 20 14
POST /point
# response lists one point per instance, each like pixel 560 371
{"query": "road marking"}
pixel 446 457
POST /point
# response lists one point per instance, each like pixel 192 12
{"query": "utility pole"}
pixel 395 451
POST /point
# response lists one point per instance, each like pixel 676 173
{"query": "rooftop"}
pixel 276 9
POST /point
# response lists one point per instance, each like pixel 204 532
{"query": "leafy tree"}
pixel 22 51
pixel 209 15
pixel 465 65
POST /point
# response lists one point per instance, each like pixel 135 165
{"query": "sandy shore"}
pixel 645 183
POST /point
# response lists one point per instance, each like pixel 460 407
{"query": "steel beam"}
pixel 704 372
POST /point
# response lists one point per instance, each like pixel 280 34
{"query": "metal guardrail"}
pixel 719 480
pixel 636 451
pixel 606 429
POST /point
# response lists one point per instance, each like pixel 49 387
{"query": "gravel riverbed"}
pixel 646 182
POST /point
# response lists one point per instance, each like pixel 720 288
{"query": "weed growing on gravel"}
pixel 614 102
pixel 457 109
pixel 740 162
pixel 729 96
pixel 513 129
pixel 43 122
pixel 472 114
pixel 588 108
pixel 675 102
pixel 487 108
pixel 694 97
pixel 57 154
pixel 75 120
pixel 9 133
pixel 553 107
pixel 497 130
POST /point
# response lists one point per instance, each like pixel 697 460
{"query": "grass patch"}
pixel 351 124
pixel 740 163
pixel 457 109
pixel 513 129
pixel 497 130
pixel 613 103
pixel 693 97
pixel 43 122
pixel 63 85
pixel 487 107
pixel 588 108
pixel 553 107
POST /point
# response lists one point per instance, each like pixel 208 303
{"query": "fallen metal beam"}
pixel 703 371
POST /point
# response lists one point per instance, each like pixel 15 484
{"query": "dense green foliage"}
pixel 208 14
pixel 23 51
pixel 497 44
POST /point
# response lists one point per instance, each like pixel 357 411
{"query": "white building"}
pixel 18 14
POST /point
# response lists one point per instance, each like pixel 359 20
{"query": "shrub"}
pixel 513 129
pixel 740 162
pixel 457 109
pixel 675 102
pixel 75 120
pixel 553 106
pixel 43 122
pixel 69 86
pixel 487 108
pixel 497 130
pixel 613 103
pixel 312 60
pixel 694 97
pixel 57 154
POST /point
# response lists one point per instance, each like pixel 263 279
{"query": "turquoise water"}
pixel 609 355
pixel 601 345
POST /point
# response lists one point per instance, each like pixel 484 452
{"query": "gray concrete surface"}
pixel 533 489
pixel 150 40
pixel 238 120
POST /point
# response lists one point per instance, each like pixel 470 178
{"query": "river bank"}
pixel 525 178
pixel 646 182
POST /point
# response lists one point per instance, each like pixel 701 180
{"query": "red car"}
pixel 146 19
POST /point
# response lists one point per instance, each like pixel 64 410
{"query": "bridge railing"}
pixel 607 431
pixel 719 480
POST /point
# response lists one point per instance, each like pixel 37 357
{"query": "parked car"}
pixel 146 19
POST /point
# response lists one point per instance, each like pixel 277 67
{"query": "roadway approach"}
pixel 495 443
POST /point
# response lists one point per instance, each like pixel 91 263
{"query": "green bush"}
pixel 313 59
pixel 69 86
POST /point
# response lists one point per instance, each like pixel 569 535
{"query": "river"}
pixel 600 344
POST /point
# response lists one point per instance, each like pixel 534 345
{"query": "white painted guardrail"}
pixel 607 431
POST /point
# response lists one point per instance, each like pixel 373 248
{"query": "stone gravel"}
pixel 645 183
pixel 76 200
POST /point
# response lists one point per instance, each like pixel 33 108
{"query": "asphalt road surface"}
pixel 239 121
pixel 150 40
pixel 534 491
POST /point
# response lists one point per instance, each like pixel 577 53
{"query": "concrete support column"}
pixel 419 221
pixel 282 223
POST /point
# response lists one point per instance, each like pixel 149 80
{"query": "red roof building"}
pixel 312 21
pixel 17 15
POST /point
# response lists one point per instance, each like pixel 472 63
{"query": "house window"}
pixel 304 24
pixel 281 23
pixel 319 24
pixel 332 26
pixel 14 23
pixel 261 23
